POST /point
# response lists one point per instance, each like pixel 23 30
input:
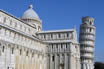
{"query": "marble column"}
pixel 1 56
pixel 48 61
pixel 66 61
pixel 84 66
pixel 56 61
pixel 88 66
pixel 61 61
pixel 78 63
pixel 51 61
pixel 70 61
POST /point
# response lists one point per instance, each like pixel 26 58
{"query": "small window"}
pixel 12 50
pixel 90 29
pixel 27 53
pixel 53 58
pixel 3 49
pixel 51 35
pixel 66 46
pixel 20 26
pixel 20 51
pixel 90 23
pixel 15 24
pixel 67 34
pixel 52 46
pixel 59 35
pixel 10 33
pixel 44 36
pixel 61 45
pixel 29 30
pixel 5 19
pixel 10 22
pixel 75 46
pixel 14 35
pixel 32 54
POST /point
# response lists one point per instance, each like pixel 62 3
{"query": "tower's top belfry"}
pixel 88 20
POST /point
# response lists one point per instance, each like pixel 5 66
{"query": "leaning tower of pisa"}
pixel 87 42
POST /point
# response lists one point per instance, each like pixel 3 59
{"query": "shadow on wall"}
pixel 99 65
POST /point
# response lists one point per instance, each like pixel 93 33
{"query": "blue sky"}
pixel 63 14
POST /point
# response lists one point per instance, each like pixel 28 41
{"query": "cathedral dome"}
pixel 30 14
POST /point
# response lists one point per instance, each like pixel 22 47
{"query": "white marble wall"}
pixel 61 57
pixel 16 57
pixel 63 49
pixel 18 48
pixel 18 24
pixel 56 36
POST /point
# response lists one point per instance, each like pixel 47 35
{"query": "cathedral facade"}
pixel 24 45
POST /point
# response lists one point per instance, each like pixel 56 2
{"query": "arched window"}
pixel 67 34
pixel 15 24
pixel 29 30
pixel 3 49
pixel 66 46
pixel 12 50
pixel 27 53
pixel 51 35
pixel 52 46
pixel 59 35
pixel 91 23
pixel 44 36
pixel 53 58
pixel 10 22
pixel 21 26
pixel 20 51
pixel 4 19
pixel 61 45
pixel 90 29
pixel 33 54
